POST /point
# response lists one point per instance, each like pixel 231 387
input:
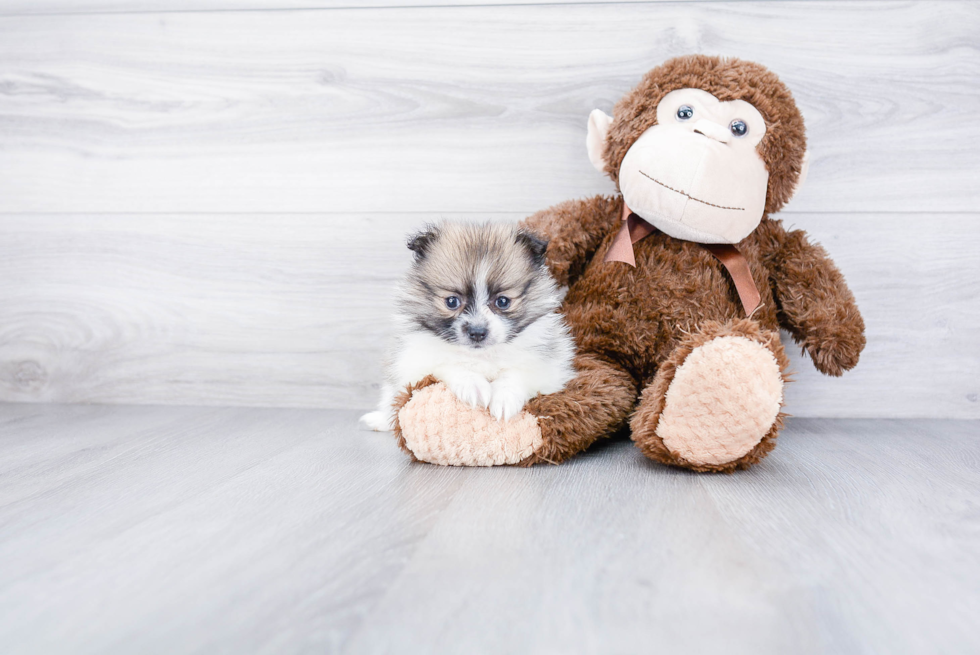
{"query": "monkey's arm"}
pixel 815 305
pixel 574 229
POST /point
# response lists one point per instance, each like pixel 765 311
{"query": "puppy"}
pixel 477 311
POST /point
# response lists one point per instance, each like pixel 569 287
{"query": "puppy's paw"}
pixel 508 399
pixel 471 388
pixel 377 421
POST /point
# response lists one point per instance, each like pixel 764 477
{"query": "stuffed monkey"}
pixel 677 286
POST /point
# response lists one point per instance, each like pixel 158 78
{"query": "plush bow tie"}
pixel 635 228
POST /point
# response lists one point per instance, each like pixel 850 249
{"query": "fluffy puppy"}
pixel 477 311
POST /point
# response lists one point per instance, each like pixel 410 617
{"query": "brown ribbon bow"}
pixel 635 228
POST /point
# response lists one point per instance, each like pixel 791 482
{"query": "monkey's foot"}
pixel 714 405
pixel 434 426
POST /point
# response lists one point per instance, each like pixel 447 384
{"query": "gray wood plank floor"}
pixel 180 529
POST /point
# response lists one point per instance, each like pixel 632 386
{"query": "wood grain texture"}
pixel 195 530
pixel 235 185
pixel 269 310
pixel 292 310
pixel 48 7
pixel 458 109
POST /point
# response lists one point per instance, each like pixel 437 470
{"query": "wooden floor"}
pixel 180 529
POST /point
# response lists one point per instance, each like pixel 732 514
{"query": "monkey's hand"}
pixel 815 305
pixel 574 229
pixel 835 350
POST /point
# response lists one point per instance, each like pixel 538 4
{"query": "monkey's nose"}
pixel 476 333
pixel 712 130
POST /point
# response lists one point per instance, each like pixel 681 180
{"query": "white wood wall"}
pixel 204 202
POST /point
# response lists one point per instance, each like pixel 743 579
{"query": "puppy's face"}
pixel 477 285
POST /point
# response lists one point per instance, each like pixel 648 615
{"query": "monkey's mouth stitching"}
pixel 703 202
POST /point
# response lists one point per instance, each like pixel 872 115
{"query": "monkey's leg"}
pixel 434 426
pixel 594 404
pixel 714 405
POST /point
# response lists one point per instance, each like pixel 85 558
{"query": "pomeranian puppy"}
pixel 477 312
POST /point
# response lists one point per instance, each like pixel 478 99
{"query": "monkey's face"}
pixel 696 174
pixel 703 147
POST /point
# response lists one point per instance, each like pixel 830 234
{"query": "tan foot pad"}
pixel 440 429
pixel 722 401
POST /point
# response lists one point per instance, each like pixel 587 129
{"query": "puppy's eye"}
pixel 452 302
pixel 502 302
pixel 738 127
pixel 685 112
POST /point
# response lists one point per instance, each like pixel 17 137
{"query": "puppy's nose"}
pixel 476 333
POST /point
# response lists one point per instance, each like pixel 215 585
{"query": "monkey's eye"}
pixel 452 302
pixel 685 112
pixel 738 127
pixel 502 302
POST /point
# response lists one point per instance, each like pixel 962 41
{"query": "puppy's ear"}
pixel 421 242
pixel 535 245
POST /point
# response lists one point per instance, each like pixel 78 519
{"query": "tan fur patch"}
pixel 723 399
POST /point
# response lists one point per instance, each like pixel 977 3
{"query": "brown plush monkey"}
pixel 676 288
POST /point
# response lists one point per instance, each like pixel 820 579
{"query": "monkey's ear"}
pixel 536 246
pixel 804 169
pixel 595 141
pixel 420 242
